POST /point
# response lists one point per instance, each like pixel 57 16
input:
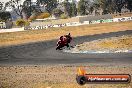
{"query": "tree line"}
pixel 67 9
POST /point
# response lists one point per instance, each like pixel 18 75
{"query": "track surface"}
pixel 45 53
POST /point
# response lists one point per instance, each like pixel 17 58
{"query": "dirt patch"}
pixel 58 76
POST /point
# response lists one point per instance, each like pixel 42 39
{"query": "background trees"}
pixel 4 16
pixel 85 7
pixel 49 4
pixel 128 5
pixel 57 12
pixel 111 6
pixel 67 8
pixel 119 4
pixel 1 6
pixel 17 6
pixel 81 7
pixel 73 9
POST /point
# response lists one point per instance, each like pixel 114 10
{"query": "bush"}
pixel 5 16
pixel 2 20
pixel 63 16
pixel 21 22
pixel 43 15
pixel 39 16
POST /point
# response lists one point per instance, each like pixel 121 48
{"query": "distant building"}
pixel 6 25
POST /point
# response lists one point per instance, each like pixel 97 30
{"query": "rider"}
pixel 69 38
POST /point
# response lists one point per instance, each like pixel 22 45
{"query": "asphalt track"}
pixel 41 53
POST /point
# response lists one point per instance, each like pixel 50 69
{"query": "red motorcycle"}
pixel 64 41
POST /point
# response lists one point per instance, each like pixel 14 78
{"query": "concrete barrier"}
pixel 122 19
pixel 11 30
pixel 79 23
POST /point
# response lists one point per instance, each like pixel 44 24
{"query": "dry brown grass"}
pixel 57 76
pixel 114 43
pixel 118 43
pixel 54 33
